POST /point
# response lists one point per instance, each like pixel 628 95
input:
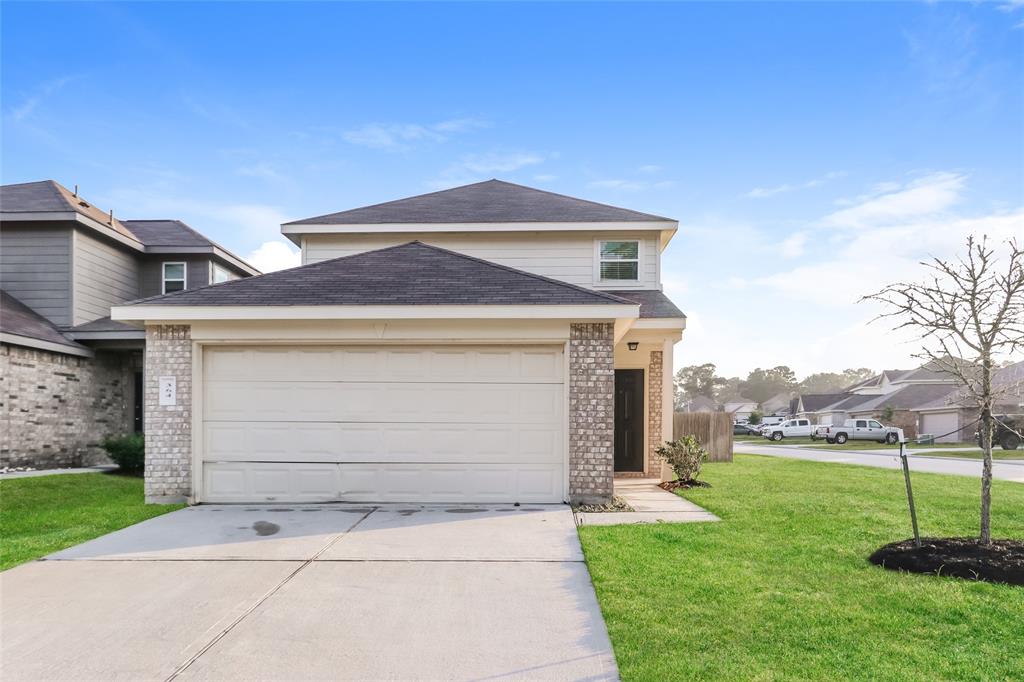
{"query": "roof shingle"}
pixel 409 274
pixel 491 201
pixel 18 319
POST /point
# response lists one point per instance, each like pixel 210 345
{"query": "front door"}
pixel 629 420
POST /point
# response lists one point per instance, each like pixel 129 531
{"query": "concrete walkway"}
pixel 313 592
pixel 887 460
pixel 652 504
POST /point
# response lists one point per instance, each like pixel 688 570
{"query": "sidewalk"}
pixel 652 504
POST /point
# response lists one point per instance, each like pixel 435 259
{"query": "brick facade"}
pixel 56 408
pixel 654 414
pixel 168 427
pixel 591 412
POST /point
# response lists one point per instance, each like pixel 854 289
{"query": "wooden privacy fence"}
pixel 712 429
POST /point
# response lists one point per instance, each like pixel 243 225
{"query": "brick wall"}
pixel 591 412
pixel 168 427
pixel 56 408
pixel 654 414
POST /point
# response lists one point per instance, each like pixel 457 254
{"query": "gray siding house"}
pixel 69 375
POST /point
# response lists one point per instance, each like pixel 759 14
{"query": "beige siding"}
pixel 568 256
pixel 35 268
pixel 104 275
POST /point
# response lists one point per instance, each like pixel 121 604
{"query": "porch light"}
pixel 633 345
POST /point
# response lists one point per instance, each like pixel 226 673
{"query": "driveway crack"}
pixel 284 581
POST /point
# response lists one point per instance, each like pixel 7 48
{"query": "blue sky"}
pixel 811 152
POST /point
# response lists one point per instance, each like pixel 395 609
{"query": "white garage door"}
pixel 938 423
pixel 383 424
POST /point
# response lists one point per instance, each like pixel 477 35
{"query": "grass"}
pixel 781 587
pixel 997 454
pixel 44 514
pixel 936 449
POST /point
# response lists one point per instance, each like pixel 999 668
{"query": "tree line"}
pixel 760 384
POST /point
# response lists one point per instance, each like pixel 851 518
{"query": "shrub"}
pixel 685 455
pixel 128 452
pixel 754 418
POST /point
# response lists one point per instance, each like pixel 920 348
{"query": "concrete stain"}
pixel 407 512
pixel 264 528
pixel 464 511
pixel 280 509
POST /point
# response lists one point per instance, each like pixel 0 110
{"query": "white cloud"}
pixel 649 169
pixel 275 255
pixel 262 170
pixel 476 167
pixel 793 246
pixel 44 90
pixel 624 185
pixel 395 136
pixel 545 177
pixel 766 192
pixel 924 196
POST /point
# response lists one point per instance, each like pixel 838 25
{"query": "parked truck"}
pixel 1007 432
pixel 857 429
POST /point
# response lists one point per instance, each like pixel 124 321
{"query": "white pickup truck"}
pixel 857 429
pixel 791 428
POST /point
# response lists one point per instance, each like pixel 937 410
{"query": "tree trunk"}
pixel 986 453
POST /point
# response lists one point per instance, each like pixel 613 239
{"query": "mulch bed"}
pixel 680 484
pixel 1000 562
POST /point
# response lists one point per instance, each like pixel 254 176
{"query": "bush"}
pixel 128 452
pixel 754 418
pixel 685 456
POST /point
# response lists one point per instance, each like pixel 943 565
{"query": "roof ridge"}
pixel 389 201
pixel 566 196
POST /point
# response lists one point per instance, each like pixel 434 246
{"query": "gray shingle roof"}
pixel 104 324
pixel 813 402
pixel 491 201
pixel 18 319
pixel 166 233
pixel 46 196
pixel 652 302
pixel 409 274
pixel 911 397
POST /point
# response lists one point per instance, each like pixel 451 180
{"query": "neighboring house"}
pixel 487 343
pixel 780 404
pixel 70 375
pixel 699 403
pixel 740 408
pixel 952 417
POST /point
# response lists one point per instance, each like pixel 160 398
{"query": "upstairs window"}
pixel 619 260
pixel 174 277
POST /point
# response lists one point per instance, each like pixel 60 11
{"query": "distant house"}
pixel 780 404
pixel 69 375
pixel 953 418
pixel 741 408
pixel 699 403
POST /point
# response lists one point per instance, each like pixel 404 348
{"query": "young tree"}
pixel 969 313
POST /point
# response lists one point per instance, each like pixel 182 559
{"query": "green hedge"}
pixel 129 452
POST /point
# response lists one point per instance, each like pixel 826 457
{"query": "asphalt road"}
pixel 918 462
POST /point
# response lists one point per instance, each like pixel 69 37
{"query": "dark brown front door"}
pixel 629 420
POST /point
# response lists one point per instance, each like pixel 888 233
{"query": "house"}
pixel 487 343
pixel 741 408
pixel 780 404
pixel 952 418
pixel 699 403
pixel 69 375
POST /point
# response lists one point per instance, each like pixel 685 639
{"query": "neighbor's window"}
pixel 220 274
pixel 174 277
pixel 620 260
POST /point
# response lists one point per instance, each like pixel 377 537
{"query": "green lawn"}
pixel 853 444
pixel 45 514
pixel 781 588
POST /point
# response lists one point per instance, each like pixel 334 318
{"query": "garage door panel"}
pixel 385 424
pixel 258 441
pixel 360 363
pixel 940 423
pixel 362 401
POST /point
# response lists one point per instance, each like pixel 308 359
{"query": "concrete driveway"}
pixel 313 592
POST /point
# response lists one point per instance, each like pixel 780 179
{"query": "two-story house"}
pixel 69 375
pixel 487 343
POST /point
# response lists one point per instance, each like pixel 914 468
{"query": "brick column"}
pixel 591 412
pixel 168 427
pixel 654 413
